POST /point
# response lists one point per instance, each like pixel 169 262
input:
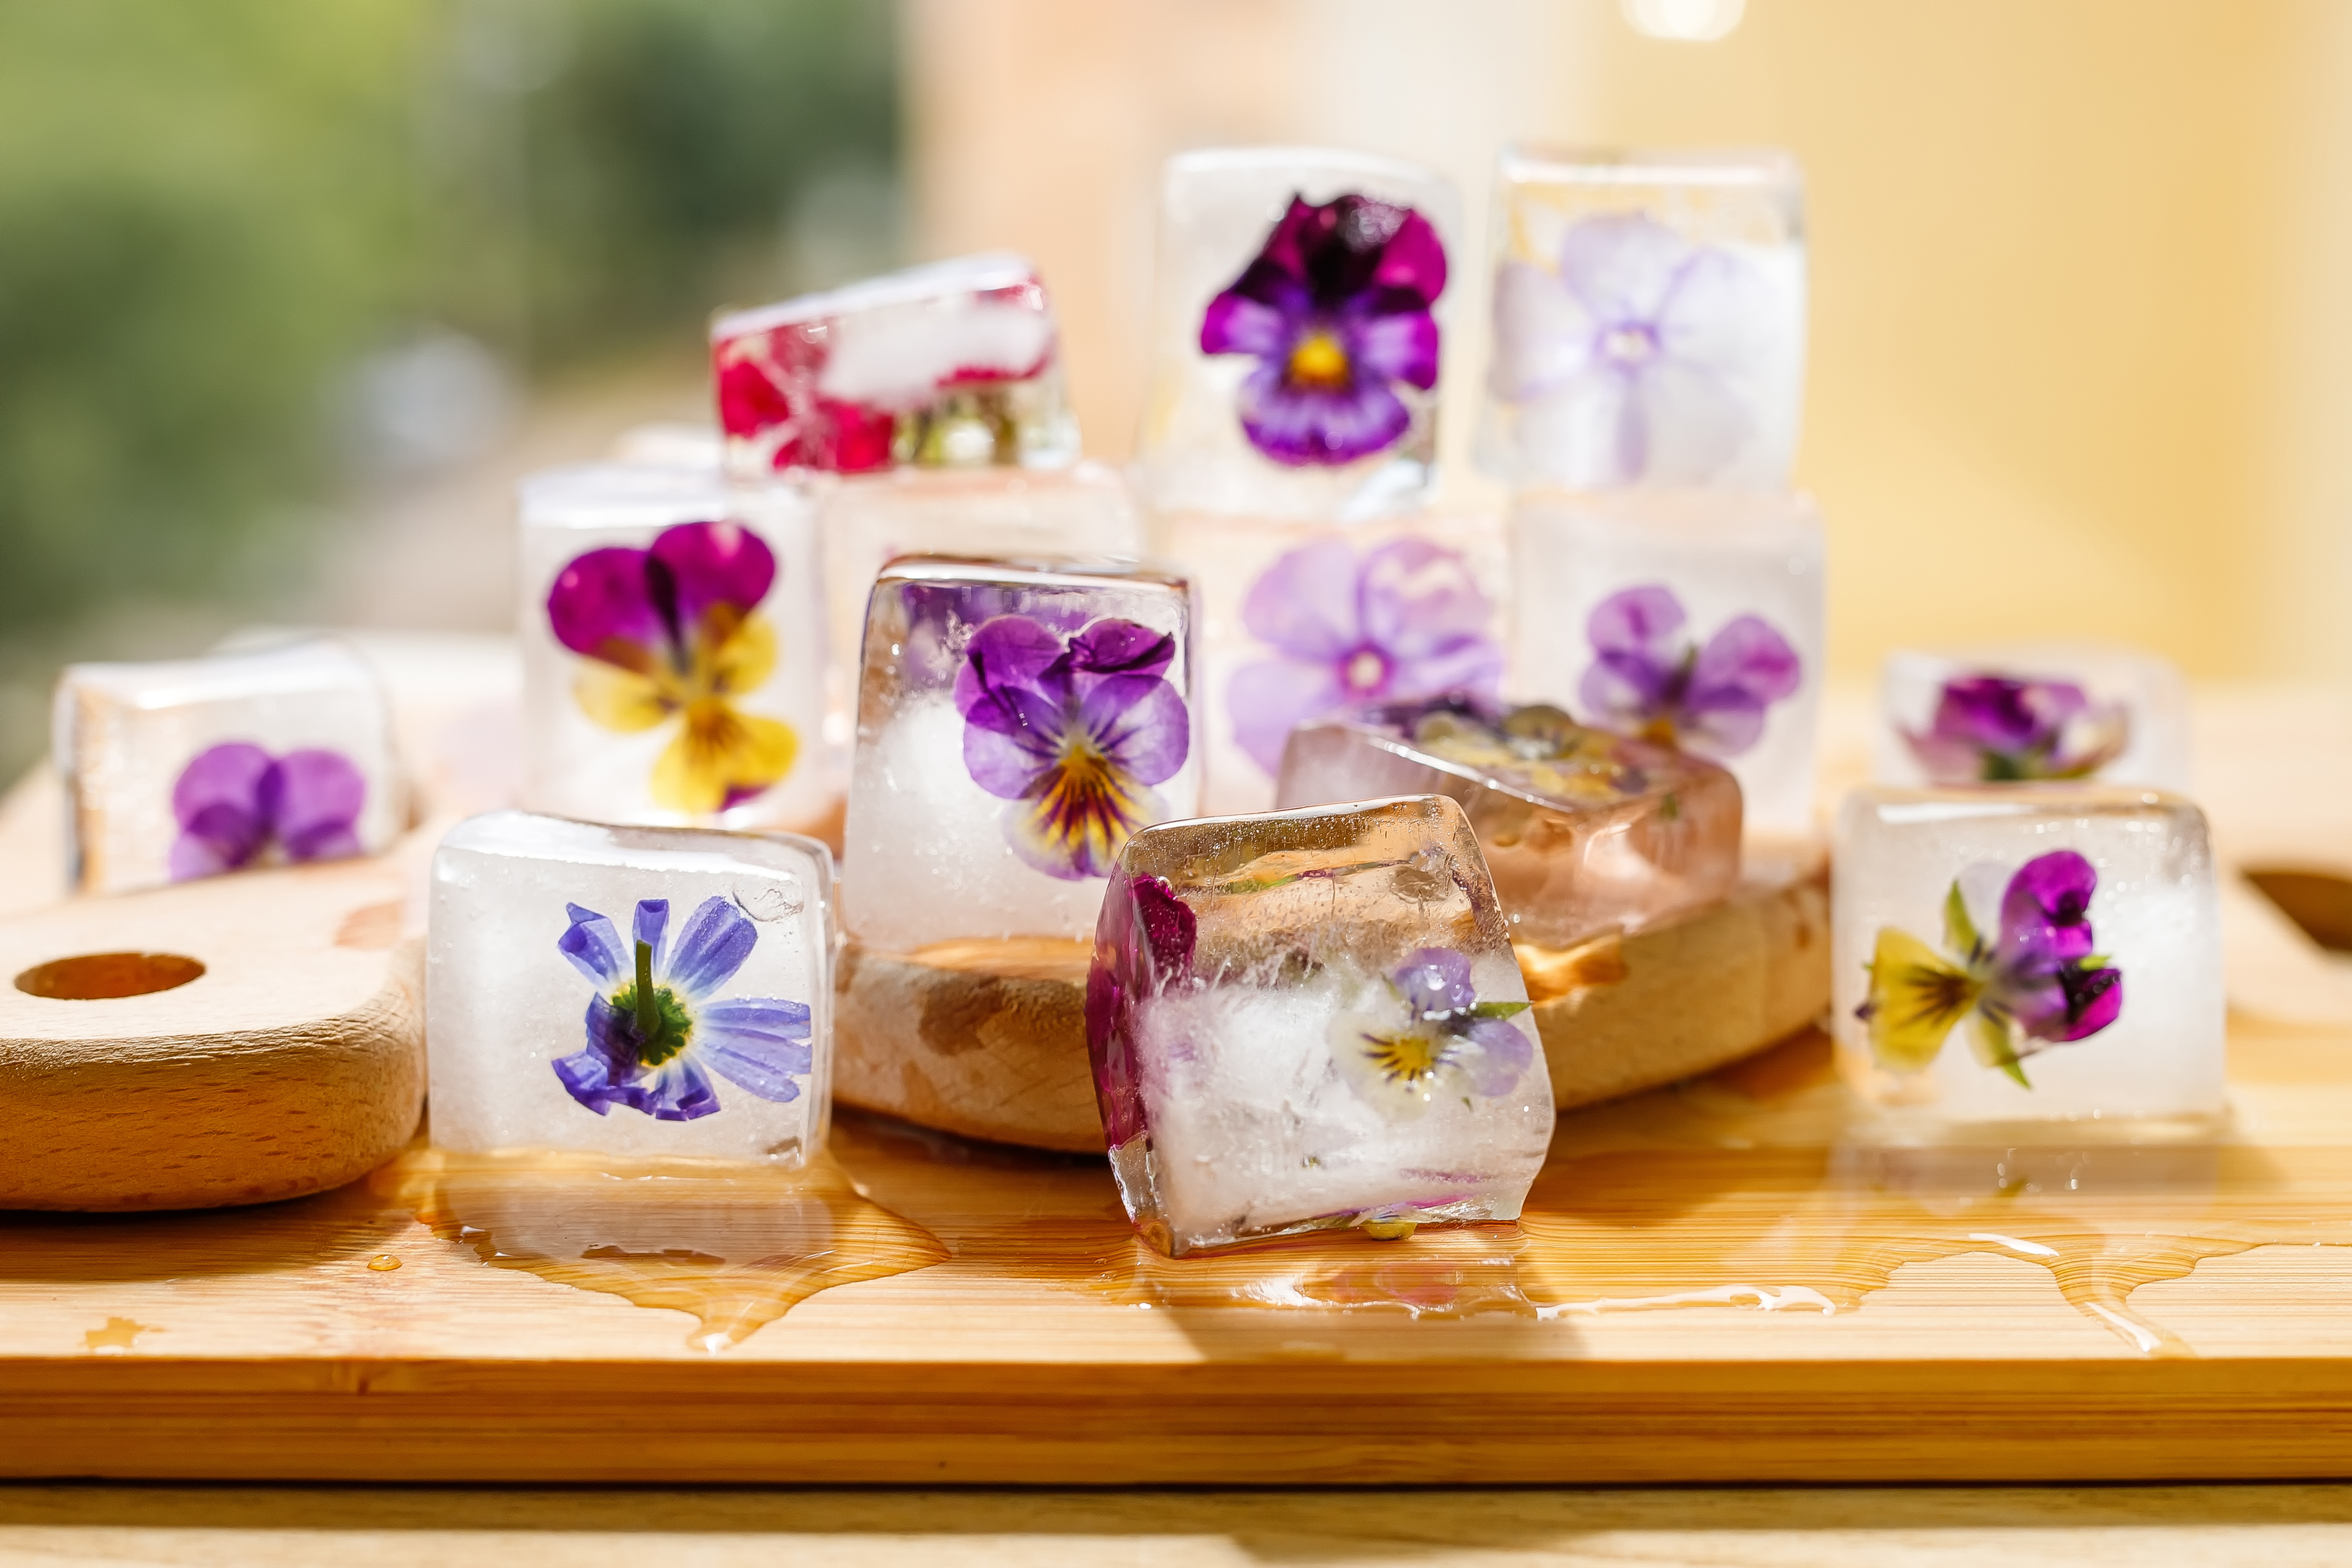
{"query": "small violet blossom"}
pixel 1624 361
pixel 235 802
pixel 674 632
pixel 1649 679
pixel 1336 310
pixel 655 1033
pixel 1405 622
pixel 2033 983
pixel 1991 729
pixel 1428 1035
pixel 1072 731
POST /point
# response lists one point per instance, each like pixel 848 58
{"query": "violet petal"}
pixel 652 920
pixel 1501 1057
pixel 1005 652
pixel 601 598
pixel 1271 697
pixel 1302 426
pixel 1435 979
pixel 1396 348
pixel 1114 647
pixel 1237 324
pixel 1418 598
pixel 321 793
pixel 594 946
pixel 678 1090
pixel 717 937
pixel 1413 259
pixel 1746 662
pixel 1141 725
pixel 1621 266
pixel 1306 604
pixel 715 563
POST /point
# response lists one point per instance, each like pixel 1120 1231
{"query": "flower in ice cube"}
pixel 655 1034
pixel 1426 1034
pixel 2030 984
pixel 673 632
pixel 1650 679
pixel 1073 731
pixel 1993 729
pixel 236 805
pixel 1143 945
pixel 1623 359
pixel 1407 621
pixel 1336 311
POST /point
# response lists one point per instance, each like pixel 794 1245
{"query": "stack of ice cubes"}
pixel 1313 1020
pixel 1290 441
pixel 1644 392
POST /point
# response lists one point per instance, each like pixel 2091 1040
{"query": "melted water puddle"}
pixel 736 1246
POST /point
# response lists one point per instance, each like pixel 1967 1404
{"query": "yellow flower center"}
pixel 1414 1057
pixel 1318 362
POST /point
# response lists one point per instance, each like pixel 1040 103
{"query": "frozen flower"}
pixel 655 1033
pixel 1407 621
pixel 1650 679
pixel 2033 983
pixel 673 633
pixel 236 804
pixel 1426 1034
pixel 1336 311
pixel 1624 360
pixel 1143 946
pixel 1073 732
pixel 1991 729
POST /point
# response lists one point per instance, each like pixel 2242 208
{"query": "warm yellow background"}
pixel 2081 354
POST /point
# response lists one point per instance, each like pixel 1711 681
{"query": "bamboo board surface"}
pixel 1726 1280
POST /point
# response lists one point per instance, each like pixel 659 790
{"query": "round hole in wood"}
pixel 98 976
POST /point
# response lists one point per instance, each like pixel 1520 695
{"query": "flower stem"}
pixel 648 1017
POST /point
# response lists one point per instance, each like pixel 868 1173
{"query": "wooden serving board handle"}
pixel 293 1062
pixel 987 1039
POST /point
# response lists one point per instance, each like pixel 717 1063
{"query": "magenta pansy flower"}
pixel 1993 729
pixel 1144 942
pixel 2033 983
pixel 655 1034
pixel 1404 622
pixel 1336 310
pixel 673 632
pixel 1072 729
pixel 236 804
pixel 1649 679
pixel 1430 1035
pixel 1624 362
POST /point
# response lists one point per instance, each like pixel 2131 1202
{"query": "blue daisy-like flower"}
pixel 655 1033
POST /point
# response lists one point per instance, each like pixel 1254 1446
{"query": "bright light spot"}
pixel 1687 21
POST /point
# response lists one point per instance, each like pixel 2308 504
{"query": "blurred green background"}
pixel 265 263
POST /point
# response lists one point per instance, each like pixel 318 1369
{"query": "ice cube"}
pixel 1693 618
pixel 1311 1020
pixel 1584 831
pixel 673 650
pixel 190 767
pixel 2028 951
pixel 556 950
pixel 869 520
pixel 1017 721
pixel 953 365
pixel 1302 620
pixel 1649 316
pixel 2025 711
pixel 1295 335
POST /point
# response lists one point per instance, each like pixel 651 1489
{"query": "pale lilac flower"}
pixel 1649 679
pixel 1993 729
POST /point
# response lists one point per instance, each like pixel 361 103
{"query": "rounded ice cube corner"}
pixel 640 992
pixel 2027 953
pixel 1311 1020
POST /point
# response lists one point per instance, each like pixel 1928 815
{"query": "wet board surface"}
pixel 1727 1279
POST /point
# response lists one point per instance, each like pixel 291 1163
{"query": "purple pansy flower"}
pixel 236 801
pixel 655 1035
pixel 1406 622
pixel 1649 679
pixel 1624 362
pixel 1143 945
pixel 2033 983
pixel 1992 728
pixel 1430 1037
pixel 1073 732
pixel 1336 310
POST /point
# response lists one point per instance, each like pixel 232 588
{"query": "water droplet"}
pixel 384 1262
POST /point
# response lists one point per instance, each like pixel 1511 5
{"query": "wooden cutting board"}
pixel 1731 1280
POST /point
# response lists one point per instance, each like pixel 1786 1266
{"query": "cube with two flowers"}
pixel 1649 318
pixel 2029 953
pixel 1017 723
pixel 1313 1020
pixel 188 768
pixel 640 992
pixel 673 650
